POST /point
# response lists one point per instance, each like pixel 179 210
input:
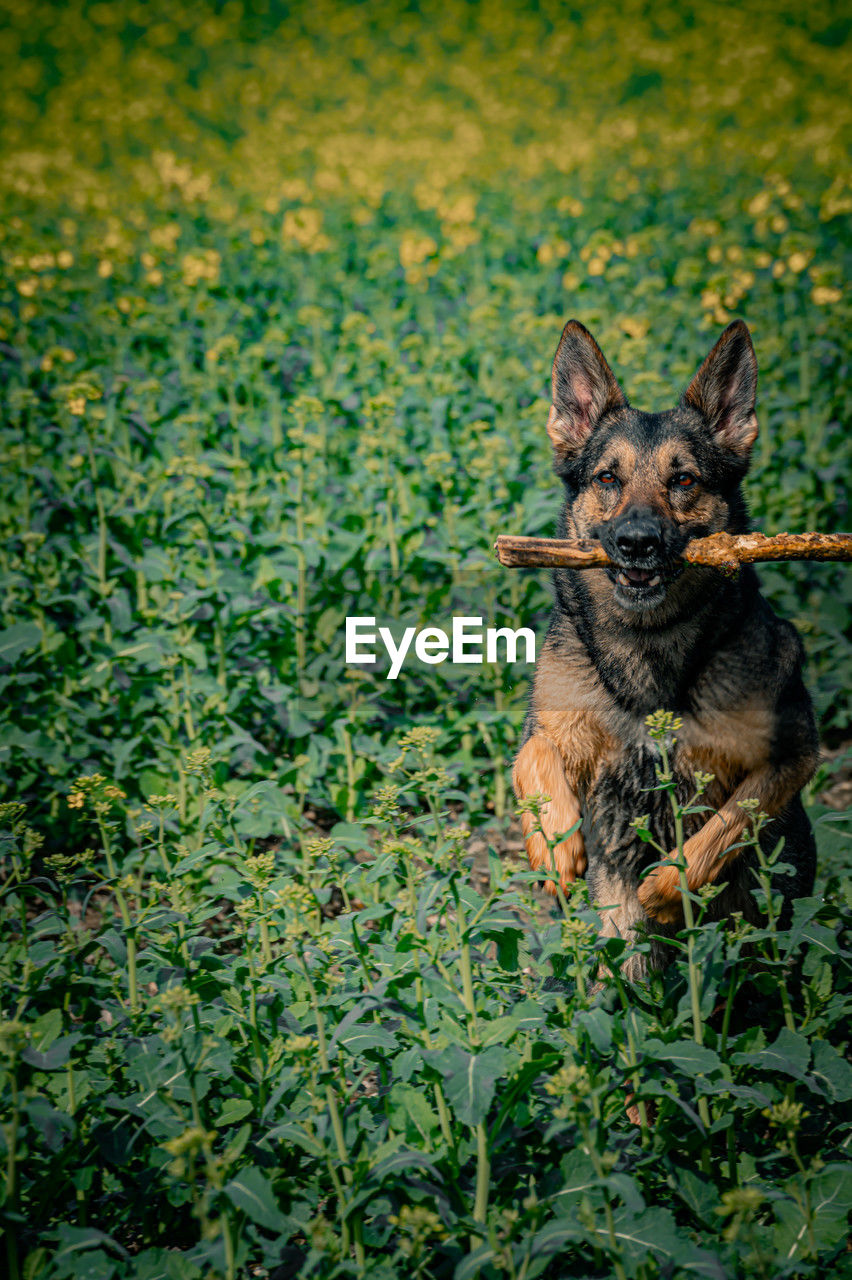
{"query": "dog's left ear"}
pixel 724 389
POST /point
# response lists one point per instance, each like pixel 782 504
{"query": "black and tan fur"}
pixel 654 634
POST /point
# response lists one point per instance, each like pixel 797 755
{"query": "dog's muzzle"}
pixel 642 564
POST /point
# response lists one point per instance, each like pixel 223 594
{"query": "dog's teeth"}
pixel 623 580
pixel 655 581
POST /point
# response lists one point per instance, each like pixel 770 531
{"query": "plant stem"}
pixel 265 942
pixel 103 588
pixel 766 884
pixel 124 912
pixel 483 1174
pixel 466 967
pixel 689 921
pixel 350 773
pixel 230 1259
pixel 594 1155
pixel 334 1112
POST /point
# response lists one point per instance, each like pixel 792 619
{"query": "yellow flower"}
pixel 302 225
pixel 298 1045
pixel 197 761
pixel 822 294
pixel 191 1140
pixel 201 266
pixel 742 1200
pixel 415 249
pixel 786 1114
pixel 759 204
pixel 635 326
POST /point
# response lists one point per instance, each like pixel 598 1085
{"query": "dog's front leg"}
pixel 540 770
pixel 709 851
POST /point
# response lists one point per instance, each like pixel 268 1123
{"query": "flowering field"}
pixel 280 288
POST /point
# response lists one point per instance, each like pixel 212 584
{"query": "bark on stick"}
pixel 719 550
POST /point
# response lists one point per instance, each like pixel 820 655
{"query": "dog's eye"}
pixel 606 477
pixel 684 480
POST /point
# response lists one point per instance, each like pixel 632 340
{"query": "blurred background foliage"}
pixel 280 290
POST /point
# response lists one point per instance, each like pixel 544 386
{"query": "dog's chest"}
pixel 626 783
pixel 611 760
pixel 613 764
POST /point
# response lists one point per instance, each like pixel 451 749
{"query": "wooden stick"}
pixel 719 550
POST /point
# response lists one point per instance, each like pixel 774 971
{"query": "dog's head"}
pixel 645 483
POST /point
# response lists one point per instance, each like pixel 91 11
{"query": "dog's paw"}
pixel 659 894
pixel 569 859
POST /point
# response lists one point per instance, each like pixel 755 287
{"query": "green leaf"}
pixel 789 1053
pixel 471 1266
pixel 831 1202
pixel 579 1179
pixel 47 1028
pixel 698 1193
pixel 251 1192
pixel 35 1264
pixel 23 637
pixel 832 1071
pixel 402 1161
pixel 683 1055
pixel 350 835
pixel 115 946
pixel 653 1231
pixel 234 1109
pixel 295 1135
pixel 74 1241
pixel 56 1056
pixel 598 1023
pixel 550 1238
pixel 470 1086
pixel 165 1264
pixel 501 1030
pixel 362 1037
pixel 830 1194
pixel 412 1112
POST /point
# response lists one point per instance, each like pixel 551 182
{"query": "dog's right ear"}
pixel 584 389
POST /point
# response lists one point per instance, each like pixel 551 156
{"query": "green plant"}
pixel 279 288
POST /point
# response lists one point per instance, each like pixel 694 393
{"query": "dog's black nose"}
pixel 639 538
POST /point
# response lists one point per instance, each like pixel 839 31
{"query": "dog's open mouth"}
pixel 638 577
pixel 640 588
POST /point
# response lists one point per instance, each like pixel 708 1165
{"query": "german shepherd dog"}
pixel 655 633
